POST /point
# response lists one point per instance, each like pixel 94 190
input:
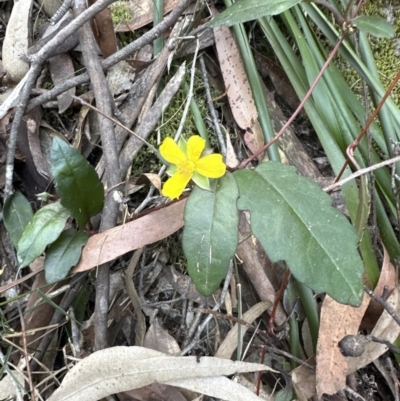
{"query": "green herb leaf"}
pixel 63 253
pixel 248 10
pixel 44 228
pixel 374 25
pixel 17 213
pixel 77 182
pixel 210 235
pixel 294 221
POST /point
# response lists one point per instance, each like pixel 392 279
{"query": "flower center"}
pixel 186 168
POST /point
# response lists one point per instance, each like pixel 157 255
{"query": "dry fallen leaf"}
pixel 387 278
pixel 118 369
pixel 237 87
pixel 230 342
pixel 152 227
pixel 386 329
pixel 17 41
pixel 158 339
pixel 336 321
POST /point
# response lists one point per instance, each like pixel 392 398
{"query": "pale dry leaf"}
pixel 152 227
pixel 218 387
pixel 304 381
pixel 155 392
pixel 237 86
pixel 112 371
pixel 336 321
pixel 231 159
pixel 385 329
pixel 230 342
pixel 158 339
pixel 17 41
pixel 7 387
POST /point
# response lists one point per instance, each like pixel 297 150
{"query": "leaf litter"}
pixel 171 307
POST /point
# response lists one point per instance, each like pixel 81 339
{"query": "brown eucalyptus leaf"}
pixel 237 87
pixel 103 31
pixel 388 278
pixel 385 329
pixel 336 321
pixel 145 230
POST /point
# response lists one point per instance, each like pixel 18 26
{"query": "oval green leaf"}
pixel 248 10
pixel 17 213
pixel 77 182
pixel 63 253
pixel 210 235
pixel 374 25
pixel 294 221
pixel 44 228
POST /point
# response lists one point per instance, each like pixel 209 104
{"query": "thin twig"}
pixel 211 107
pixel 115 121
pixel 209 317
pixel 189 96
pixel 122 54
pixel 37 61
pixel 26 354
pixel 383 303
pixel 361 172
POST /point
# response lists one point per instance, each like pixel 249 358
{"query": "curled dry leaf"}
pixel 110 244
pixel 111 371
pixel 388 279
pixel 150 178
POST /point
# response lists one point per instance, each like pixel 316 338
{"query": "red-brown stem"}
pixel 277 300
pixel 302 103
pixel 352 147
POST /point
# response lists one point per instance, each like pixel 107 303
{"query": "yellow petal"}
pixel 170 151
pixel 211 166
pixel 195 147
pixel 175 185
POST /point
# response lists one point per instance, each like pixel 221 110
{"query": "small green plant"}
pixel 82 196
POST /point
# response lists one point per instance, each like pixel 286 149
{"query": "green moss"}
pixel 120 12
pixel 385 54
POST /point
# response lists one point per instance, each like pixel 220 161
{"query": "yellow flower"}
pixel 187 163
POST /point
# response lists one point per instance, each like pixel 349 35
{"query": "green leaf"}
pixel 210 235
pixel 44 228
pixel 77 182
pixel 294 221
pixel 63 253
pixel 248 10
pixel 17 213
pixel 374 25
